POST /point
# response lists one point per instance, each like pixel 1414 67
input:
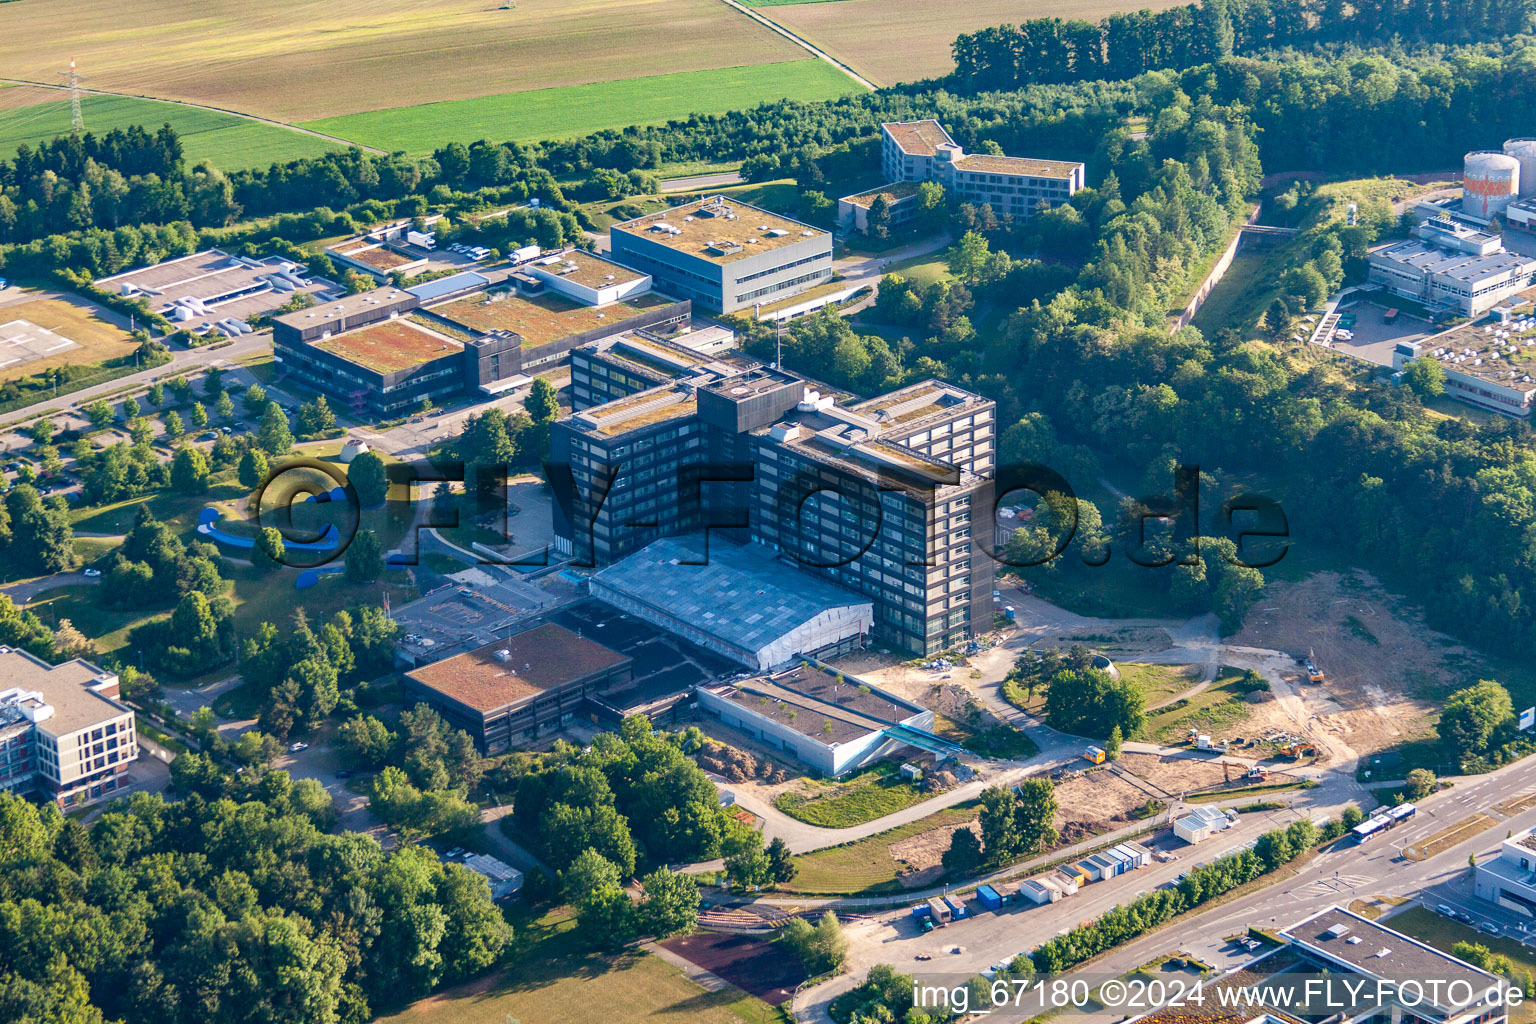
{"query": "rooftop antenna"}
pixel 76 121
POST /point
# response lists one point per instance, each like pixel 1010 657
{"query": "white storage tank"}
pixel 1524 150
pixel 1490 182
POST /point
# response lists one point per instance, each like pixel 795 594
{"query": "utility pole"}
pixel 76 120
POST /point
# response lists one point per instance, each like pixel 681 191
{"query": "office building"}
pixel 63 732
pixel 724 254
pixel 874 496
pixel 1510 878
pixel 1486 365
pixel 918 151
pixel 384 352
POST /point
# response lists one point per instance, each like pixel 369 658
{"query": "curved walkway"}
pixel 202 106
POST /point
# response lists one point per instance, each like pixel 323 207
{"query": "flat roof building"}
pixel 918 151
pixel 831 721
pixel 1492 366
pixel 1339 966
pixel 1447 279
pixel 743 603
pixel 63 732
pixel 587 278
pixel 724 254
pixel 211 285
pixel 1509 880
pixel 905 467
pixel 383 352
pixel 514 690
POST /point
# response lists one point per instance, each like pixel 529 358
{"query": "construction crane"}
pixel 1314 674
pixel 76 120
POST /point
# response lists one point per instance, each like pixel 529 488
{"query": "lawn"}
pixel 78 603
pixel 921 270
pixel 228 141
pixel 551 979
pixel 1159 682
pixel 1219 708
pixel 575 110
pixel 890 41
pixel 179 510
pixel 297 61
pixel 838 803
pixel 95 339
pixel 866 867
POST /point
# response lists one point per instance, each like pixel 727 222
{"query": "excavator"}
pixel 1314 674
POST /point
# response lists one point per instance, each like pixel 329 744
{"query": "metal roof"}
pixel 744 596
pixel 448 285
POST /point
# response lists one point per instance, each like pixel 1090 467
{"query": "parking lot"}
pixel 1373 340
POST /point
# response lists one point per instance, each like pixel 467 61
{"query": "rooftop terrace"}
pixel 543 319
pixel 719 229
pixel 390 346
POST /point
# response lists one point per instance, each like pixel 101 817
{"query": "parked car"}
pixel 91 574
pixel 1490 928
pixel 208 435
pixel 294 748
pixel 1446 911
pixel 345 773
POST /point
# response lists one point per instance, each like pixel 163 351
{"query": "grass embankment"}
pixel 865 867
pixel 840 803
pixel 575 110
pixel 1222 705
pixel 1159 683
pixel 1428 927
pixel 556 980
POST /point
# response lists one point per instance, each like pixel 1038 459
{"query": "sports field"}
pixel 297 60
pixel 891 41
pixel 31 115
pixel 577 110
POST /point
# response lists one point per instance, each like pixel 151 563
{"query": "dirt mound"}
pixel 1383 666
pixel 737 765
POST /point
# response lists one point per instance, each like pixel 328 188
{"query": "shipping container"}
pixel 956 906
pixel 989 898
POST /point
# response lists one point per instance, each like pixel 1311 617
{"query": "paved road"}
pixel 1339 874
pixel 698 181
pixel 26 590
pixel 197 106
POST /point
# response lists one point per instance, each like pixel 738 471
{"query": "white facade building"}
pixel 62 729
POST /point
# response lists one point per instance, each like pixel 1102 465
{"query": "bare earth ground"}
pixel 302 59
pixel 1087 804
pixel 1174 774
pixel 1369 700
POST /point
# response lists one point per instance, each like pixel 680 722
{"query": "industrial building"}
pixel 1449 280
pixel 63 732
pixel 875 496
pixel 516 689
pixel 1490 182
pixel 1368 964
pixel 587 279
pixel 737 601
pixel 918 151
pixel 383 352
pixel 203 290
pixel 832 722
pixel 724 254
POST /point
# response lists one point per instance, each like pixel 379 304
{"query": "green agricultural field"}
pixel 577 110
pixel 229 142
pixel 781 3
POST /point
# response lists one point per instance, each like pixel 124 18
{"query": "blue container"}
pixel 921 910
pixel 956 907
pixel 989 898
